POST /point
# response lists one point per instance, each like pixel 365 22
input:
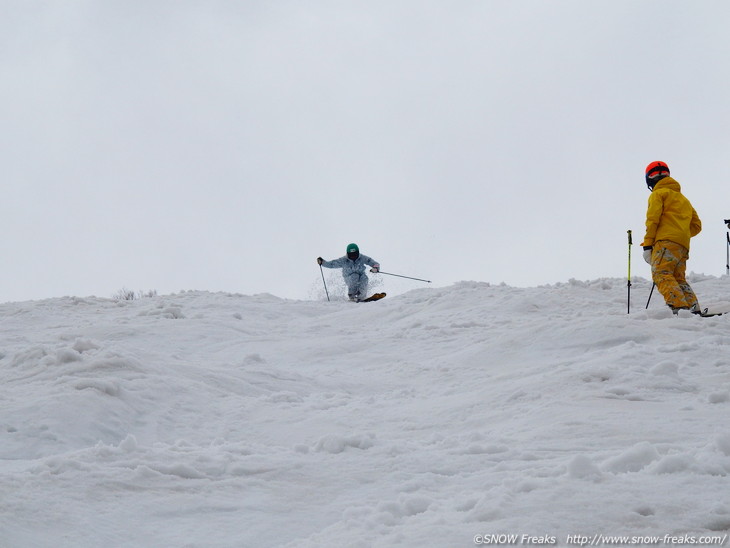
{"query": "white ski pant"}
pixel 357 282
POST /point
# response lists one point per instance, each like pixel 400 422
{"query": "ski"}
pixel 707 314
pixel 373 297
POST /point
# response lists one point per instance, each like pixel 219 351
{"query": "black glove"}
pixel 320 260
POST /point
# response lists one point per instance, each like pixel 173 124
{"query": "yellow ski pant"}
pixel 668 267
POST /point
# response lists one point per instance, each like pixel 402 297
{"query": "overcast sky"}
pixel 224 145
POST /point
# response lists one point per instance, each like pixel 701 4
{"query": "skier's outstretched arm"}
pixel 372 263
pixel 336 263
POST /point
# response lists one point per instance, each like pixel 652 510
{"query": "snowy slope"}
pixel 425 419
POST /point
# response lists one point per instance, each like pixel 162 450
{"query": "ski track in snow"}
pixel 223 420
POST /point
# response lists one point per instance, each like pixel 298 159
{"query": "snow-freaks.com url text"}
pixel 600 539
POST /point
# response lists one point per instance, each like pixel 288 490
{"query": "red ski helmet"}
pixel 654 172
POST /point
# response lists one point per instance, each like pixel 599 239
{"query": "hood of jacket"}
pixel 668 183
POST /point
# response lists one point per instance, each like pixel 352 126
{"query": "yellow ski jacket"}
pixel 670 216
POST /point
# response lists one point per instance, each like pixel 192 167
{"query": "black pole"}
pixel 654 283
pixel 325 283
pixel 650 292
pixel 727 264
pixel 408 277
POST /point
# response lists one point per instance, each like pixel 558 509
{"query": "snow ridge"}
pixel 224 420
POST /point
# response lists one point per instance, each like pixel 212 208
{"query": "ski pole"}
pixel 325 283
pixel 408 277
pixel 653 285
pixel 628 282
pixel 650 292
pixel 727 260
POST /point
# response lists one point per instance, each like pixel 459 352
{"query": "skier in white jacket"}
pixel 353 271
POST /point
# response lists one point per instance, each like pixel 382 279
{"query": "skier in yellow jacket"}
pixel 670 223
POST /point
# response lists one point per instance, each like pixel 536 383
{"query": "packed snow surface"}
pixel 433 418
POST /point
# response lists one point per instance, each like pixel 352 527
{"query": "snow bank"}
pixel 225 420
